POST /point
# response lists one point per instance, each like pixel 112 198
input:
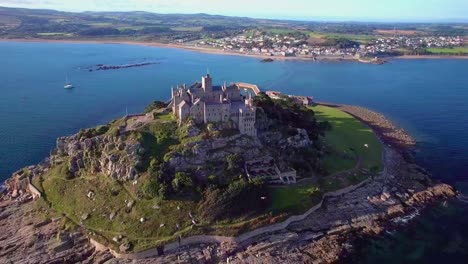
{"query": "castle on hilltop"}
pixel 205 103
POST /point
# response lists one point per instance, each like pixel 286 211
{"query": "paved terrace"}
pixel 252 87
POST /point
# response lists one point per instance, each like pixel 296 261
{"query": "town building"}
pixel 205 103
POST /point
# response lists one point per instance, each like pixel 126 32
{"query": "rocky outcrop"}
pixel 196 155
pixel 300 140
pixel 114 156
pixel 27 237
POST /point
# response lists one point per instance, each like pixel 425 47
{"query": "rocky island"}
pixel 217 174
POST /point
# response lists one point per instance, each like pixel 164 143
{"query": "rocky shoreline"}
pixel 325 236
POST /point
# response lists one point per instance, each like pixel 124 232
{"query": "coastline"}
pixel 208 50
pixel 333 227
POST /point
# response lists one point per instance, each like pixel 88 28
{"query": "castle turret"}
pixel 249 100
pixel 207 83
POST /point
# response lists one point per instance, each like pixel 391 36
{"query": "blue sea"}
pixel 427 97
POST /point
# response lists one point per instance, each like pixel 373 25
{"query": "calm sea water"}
pixel 429 98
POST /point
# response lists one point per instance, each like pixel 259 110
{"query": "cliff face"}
pixel 195 155
pixel 115 156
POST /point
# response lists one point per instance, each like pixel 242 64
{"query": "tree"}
pixel 234 163
pixel 181 181
pixel 155 105
pixel 163 191
pixel 151 188
pixel 239 198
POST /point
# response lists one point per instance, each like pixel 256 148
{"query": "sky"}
pixel 352 10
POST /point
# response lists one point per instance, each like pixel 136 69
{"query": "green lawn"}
pixel 449 51
pixel 48 34
pixel 280 31
pixel 294 198
pixel 355 37
pixel 187 29
pixel 348 134
pixel 101 24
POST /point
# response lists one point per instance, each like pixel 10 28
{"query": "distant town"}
pixel 289 46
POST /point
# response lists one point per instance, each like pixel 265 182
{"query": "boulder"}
pixel 125 247
pixel 112 216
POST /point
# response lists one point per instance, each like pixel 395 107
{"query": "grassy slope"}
pixel 111 197
pixel 361 38
pixel 347 132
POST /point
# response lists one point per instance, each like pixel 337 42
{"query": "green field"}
pixel 295 199
pixel 281 31
pixel 101 24
pixel 48 34
pixel 449 51
pixel 347 133
pixel 347 138
pixel 188 29
pixel 355 37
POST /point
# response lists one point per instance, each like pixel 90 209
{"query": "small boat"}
pixel 68 85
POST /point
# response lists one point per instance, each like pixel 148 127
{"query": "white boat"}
pixel 68 85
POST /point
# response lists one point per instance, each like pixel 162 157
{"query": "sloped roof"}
pixel 183 104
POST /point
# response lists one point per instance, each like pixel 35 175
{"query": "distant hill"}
pixel 141 25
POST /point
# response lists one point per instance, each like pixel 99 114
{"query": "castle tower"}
pixel 249 100
pixel 207 83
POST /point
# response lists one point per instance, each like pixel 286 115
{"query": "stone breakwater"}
pixel 103 67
